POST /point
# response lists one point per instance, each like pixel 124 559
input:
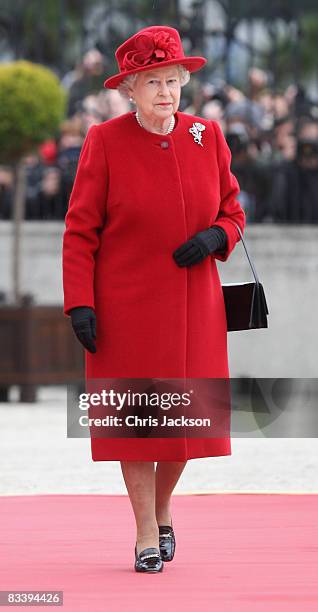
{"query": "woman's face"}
pixel 157 92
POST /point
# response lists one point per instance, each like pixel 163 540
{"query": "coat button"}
pixel 164 144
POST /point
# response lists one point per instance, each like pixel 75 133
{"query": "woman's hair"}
pixel 129 80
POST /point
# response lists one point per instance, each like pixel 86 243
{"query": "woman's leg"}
pixel 139 477
pixel 167 476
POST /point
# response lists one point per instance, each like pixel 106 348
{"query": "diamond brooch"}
pixel 196 131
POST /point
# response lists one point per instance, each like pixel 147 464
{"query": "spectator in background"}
pixel 70 142
pixel 43 190
pixel 294 196
pixel 252 116
pixel 283 139
pixel 48 152
pixel 95 109
pixel 233 94
pixel 280 106
pixel 89 112
pixel 253 176
pixel 6 189
pixel 213 110
pixel 197 98
pixel 112 104
pixel 216 101
pixel 87 79
pixel 247 112
pixel 50 196
pixel 258 81
pixel 34 174
pixel 299 102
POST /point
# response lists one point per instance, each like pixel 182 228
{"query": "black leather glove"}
pixel 200 246
pixel 84 325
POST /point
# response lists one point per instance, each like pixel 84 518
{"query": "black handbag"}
pixel 245 302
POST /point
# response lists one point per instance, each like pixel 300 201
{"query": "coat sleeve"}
pixel 84 220
pixel 230 211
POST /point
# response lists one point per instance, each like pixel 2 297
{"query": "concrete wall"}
pixel 286 259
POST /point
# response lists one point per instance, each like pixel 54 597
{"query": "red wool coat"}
pixel 136 198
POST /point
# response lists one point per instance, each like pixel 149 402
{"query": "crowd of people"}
pixel 273 137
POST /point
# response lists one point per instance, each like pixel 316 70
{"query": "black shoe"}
pixel 148 560
pixel 167 542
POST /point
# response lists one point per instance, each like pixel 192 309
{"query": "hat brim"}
pixel 191 63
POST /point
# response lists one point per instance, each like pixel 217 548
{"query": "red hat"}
pixel 154 46
pixel 48 151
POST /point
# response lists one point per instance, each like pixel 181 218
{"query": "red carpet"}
pixel 234 552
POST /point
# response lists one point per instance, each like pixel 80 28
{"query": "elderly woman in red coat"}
pixel 154 204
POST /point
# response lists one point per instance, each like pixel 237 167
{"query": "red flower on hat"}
pixel 149 49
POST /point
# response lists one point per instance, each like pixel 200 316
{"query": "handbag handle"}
pixel 248 257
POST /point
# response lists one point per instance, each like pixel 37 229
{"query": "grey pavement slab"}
pixel 36 457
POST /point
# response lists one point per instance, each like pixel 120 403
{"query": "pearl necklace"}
pixel 170 128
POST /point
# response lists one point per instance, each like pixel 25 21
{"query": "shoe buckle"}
pixel 154 556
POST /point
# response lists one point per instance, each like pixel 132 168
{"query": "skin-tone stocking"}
pixel 150 492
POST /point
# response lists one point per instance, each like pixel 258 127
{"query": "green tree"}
pixel 32 105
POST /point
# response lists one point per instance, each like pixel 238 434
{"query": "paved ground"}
pixel 36 457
